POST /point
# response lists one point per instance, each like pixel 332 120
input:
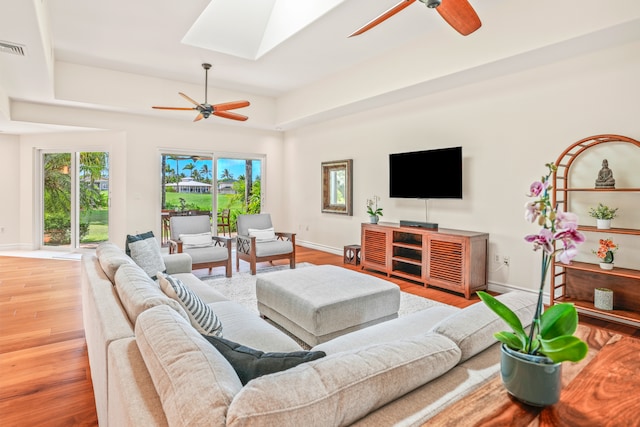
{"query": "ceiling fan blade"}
pixel 460 15
pixel 174 108
pixel 189 99
pixel 198 117
pixel 386 15
pixel 230 115
pixel 230 105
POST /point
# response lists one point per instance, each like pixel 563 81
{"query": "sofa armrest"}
pixel 177 263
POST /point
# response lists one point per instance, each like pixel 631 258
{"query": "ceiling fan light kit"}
pixel 459 14
pixel 205 109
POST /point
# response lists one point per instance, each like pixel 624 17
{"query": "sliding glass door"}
pixel 75 199
pixel 194 183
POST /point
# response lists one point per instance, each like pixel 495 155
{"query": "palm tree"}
pixel 226 175
pixel 248 184
pixel 190 167
pixel 204 170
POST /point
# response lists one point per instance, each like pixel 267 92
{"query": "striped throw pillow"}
pixel 202 317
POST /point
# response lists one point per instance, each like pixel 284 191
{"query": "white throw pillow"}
pixel 201 315
pixel 266 235
pixel 200 240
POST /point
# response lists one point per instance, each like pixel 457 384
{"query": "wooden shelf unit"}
pixel 451 259
pixel 576 282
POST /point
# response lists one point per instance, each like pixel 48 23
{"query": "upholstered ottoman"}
pixel 319 303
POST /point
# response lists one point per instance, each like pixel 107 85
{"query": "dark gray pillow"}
pixel 249 363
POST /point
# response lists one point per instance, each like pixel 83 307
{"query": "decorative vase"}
pixel 606 265
pixel 603 224
pixel 534 380
pixel 603 298
pixel 373 219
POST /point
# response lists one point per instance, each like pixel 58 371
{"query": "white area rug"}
pixel 242 289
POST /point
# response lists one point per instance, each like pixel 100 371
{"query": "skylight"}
pixel 250 28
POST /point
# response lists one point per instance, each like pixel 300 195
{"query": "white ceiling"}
pixel 274 49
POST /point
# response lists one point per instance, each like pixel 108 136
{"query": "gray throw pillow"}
pixel 146 253
pixel 202 317
pixel 249 363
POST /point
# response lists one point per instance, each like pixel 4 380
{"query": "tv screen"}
pixel 428 174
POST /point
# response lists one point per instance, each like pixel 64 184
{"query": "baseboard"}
pixel 323 248
pixel 503 288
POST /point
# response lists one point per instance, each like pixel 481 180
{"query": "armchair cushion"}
pixel 198 240
pixel 276 247
pixel 266 235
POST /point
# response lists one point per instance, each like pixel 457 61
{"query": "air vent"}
pixel 12 48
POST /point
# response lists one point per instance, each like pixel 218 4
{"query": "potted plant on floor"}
pixel 373 210
pixel 531 361
pixel 605 252
pixel 603 215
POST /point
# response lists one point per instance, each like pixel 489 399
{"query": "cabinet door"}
pixel 446 263
pixel 374 249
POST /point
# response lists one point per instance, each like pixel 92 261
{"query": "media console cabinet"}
pixel 455 260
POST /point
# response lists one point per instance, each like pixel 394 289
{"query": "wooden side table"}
pixel 602 389
pixel 352 254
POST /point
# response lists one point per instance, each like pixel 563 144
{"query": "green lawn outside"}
pixel 98 221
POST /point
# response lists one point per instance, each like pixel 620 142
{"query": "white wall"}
pixel 135 144
pixel 509 128
pixel 9 191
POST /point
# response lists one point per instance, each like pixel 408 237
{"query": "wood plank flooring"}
pixel 44 370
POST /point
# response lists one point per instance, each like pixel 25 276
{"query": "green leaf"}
pixel 511 340
pixel 558 320
pixel 504 312
pixel 564 348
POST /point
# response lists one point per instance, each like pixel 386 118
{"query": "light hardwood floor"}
pixel 44 370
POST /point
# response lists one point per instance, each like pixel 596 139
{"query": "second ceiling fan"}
pixel 205 109
pixel 458 13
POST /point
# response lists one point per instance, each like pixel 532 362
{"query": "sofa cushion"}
pixel 401 327
pixel 341 388
pixel 250 363
pixel 137 292
pixel 195 382
pixel 111 258
pixel 201 315
pixel 145 251
pixel 472 328
pixel 244 326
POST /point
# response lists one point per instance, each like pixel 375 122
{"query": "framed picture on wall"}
pixel 337 187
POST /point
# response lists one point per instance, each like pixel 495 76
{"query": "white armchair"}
pixel 258 242
pixel 191 234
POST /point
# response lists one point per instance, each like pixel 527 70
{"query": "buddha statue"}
pixel 605 176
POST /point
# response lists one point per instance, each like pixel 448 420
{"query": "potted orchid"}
pixel 550 339
pixel 605 252
pixel 373 210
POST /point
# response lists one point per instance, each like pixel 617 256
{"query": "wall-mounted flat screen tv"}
pixel 428 174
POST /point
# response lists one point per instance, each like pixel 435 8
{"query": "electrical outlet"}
pixel 496 259
pixel 1 229
pixel 506 261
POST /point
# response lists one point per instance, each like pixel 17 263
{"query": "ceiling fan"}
pixel 458 13
pixel 205 109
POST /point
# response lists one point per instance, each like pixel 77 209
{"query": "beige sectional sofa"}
pixel 149 366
